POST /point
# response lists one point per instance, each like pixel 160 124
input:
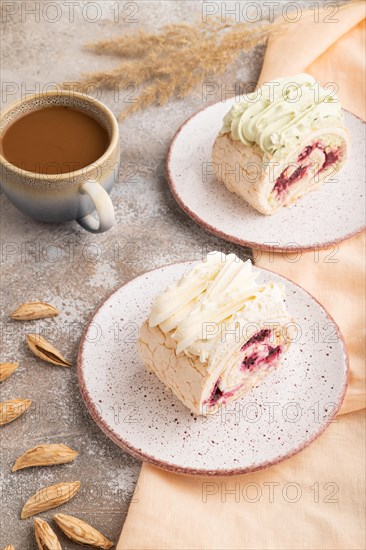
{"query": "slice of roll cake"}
pixel 215 333
pixel 281 142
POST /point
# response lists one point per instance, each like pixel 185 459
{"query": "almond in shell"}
pixel 45 455
pixel 7 369
pixel 46 351
pixel 34 310
pixel 50 497
pixel 45 537
pixel 12 409
pixel 81 532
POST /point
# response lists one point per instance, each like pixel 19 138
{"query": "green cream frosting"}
pixel 281 113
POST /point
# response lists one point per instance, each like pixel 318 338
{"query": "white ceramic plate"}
pixel 332 214
pixel 289 409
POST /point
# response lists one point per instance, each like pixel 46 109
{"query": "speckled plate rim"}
pixel 165 465
pixel 227 236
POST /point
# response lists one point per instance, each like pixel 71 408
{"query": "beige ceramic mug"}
pixel 66 196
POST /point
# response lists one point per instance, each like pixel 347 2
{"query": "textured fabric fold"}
pixel 303 503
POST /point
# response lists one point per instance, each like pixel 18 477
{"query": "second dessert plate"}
pixel 277 419
pixel 321 219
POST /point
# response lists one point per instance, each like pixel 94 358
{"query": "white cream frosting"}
pixel 217 294
pixel 281 113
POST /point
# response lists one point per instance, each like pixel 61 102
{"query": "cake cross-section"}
pixel 216 332
pixel 281 142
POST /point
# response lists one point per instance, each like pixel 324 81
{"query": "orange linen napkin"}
pixel 314 500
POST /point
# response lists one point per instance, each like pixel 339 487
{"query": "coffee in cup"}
pixel 59 157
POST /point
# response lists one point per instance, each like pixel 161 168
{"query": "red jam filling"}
pixel 259 352
pixel 216 394
pixel 259 337
pixel 219 395
pixel 331 157
pixel 284 181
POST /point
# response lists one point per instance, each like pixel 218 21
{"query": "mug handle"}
pixel 103 205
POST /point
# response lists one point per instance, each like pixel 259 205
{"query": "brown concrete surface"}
pixel 75 270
